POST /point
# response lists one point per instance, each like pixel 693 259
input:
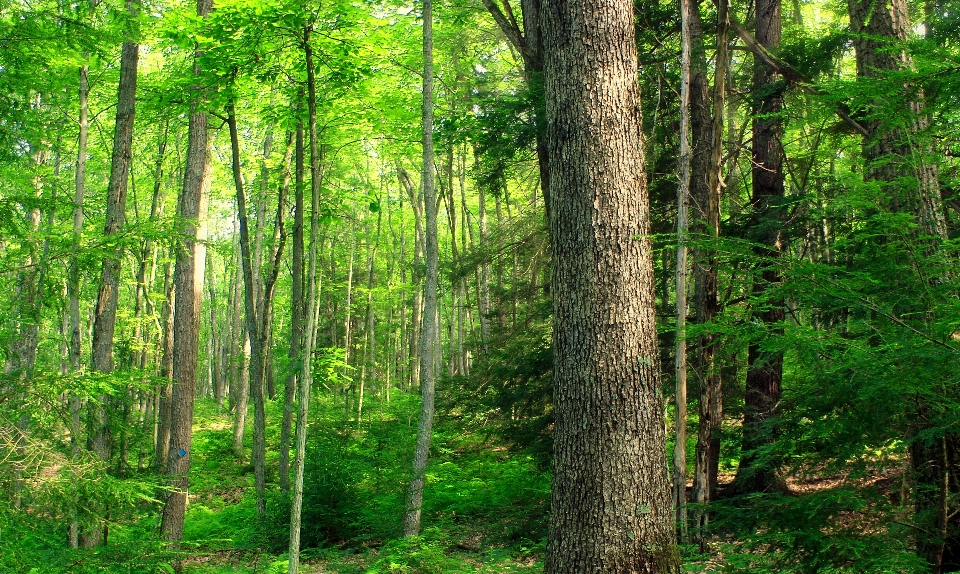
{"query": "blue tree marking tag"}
pixel 182 453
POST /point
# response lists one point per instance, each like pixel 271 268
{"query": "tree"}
pixel 430 331
pixel 610 506
pixel 309 331
pixel 899 158
pixel 683 201
pixel 188 281
pixel 705 189
pixel 757 473
pixel 106 310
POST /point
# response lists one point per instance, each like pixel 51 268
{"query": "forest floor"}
pixel 485 510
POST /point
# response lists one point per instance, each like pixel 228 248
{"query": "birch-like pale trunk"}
pixel 680 349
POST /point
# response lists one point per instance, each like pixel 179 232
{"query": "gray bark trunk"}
pixel 312 310
pixel 428 337
pixel 610 504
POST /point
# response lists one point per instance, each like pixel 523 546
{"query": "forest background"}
pixel 233 195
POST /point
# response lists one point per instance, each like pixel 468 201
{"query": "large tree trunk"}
pixel 898 156
pixel 430 331
pixel 610 505
pixel 188 281
pixel 765 371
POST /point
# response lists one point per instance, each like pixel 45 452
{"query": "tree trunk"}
pixel 417 311
pixel 370 339
pixel 705 190
pixel 680 347
pixel 253 322
pixel 298 307
pixel 898 156
pixel 311 308
pixel 106 310
pixel 165 390
pixel 188 280
pixel 73 287
pixel 765 371
pixel 610 504
pixel 428 337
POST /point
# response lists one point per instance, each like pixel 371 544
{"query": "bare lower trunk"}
pixel 298 308
pixel 610 501
pixel 312 310
pixel 428 345
pixel 188 280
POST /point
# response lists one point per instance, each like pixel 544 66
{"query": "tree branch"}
pixel 509 27
pixel 790 74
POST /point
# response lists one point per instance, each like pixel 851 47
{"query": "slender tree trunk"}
pixel 705 191
pixel 106 313
pixel 680 348
pixel 165 390
pixel 370 339
pixel 188 280
pixel 416 320
pixel 298 308
pixel 610 503
pixel 242 394
pixel 252 315
pixel 529 44
pixel 428 345
pixel 483 301
pixel 312 310
pixel 73 288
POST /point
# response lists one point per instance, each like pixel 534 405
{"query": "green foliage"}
pixel 839 529
pixel 415 555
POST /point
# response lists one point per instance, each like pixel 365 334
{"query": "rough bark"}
pixel 610 504
pixel 758 473
pixel 705 192
pixel 188 282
